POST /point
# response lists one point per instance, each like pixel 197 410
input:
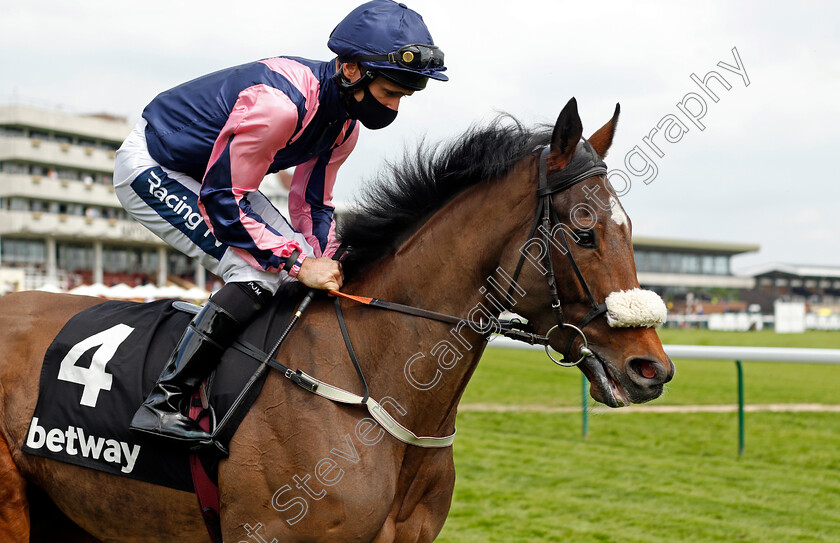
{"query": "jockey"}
pixel 191 169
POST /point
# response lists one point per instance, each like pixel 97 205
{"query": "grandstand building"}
pixel 818 286
pixel 696 281
pixel 60 222
pixel 688 274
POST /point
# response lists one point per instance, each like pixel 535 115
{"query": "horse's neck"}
pixel 443 267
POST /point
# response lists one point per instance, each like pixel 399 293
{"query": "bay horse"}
pixel 444 233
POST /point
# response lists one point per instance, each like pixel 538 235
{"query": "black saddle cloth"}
pixel 104 362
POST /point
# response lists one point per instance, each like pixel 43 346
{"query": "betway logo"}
pixel 58 440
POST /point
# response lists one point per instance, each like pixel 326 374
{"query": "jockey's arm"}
pixel 262 122
pixel 311 210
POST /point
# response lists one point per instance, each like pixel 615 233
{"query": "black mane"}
pixel 400 199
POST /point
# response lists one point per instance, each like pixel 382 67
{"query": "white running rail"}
pixel 717 352
pixel 713 352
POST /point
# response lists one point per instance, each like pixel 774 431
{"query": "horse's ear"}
pixel 567 133
pixel 602 139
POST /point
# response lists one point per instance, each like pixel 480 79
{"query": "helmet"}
pixel 390 40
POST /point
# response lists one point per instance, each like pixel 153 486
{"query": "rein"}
pixel 585 164
pixel 589 164
pixel 513 329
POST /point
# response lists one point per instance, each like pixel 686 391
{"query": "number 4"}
pixel 94 378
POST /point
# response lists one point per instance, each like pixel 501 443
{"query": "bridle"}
pixel 585 164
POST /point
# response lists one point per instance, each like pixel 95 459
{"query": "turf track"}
pixel 669 472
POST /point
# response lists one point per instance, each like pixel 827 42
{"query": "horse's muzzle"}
pixel 642 379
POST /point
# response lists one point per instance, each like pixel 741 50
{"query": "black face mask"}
pixel 370 112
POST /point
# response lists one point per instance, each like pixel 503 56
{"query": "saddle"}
pixel 107 358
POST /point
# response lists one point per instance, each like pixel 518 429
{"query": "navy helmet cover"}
pixel 380 27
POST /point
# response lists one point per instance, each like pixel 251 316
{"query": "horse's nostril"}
pixel 647 369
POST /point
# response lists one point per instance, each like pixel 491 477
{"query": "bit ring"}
pixel 584 349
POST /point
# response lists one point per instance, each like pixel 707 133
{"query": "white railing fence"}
pixel 711 352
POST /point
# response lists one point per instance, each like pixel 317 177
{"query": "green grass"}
pixel 648 477
pixel 645 478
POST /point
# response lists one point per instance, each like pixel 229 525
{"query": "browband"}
pixel 584 164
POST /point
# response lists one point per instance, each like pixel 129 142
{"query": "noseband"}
pixel 584 164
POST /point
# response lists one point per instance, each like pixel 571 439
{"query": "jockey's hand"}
pixel 321 273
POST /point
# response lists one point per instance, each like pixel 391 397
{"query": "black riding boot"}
pixel 201 347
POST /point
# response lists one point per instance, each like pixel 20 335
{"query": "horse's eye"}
pixel 586 238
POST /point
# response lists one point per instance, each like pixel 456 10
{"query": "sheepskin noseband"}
pixel 636 307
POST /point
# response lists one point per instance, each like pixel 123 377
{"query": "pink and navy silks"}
pixel 230 128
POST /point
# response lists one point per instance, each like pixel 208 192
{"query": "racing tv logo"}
pixel 178 206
